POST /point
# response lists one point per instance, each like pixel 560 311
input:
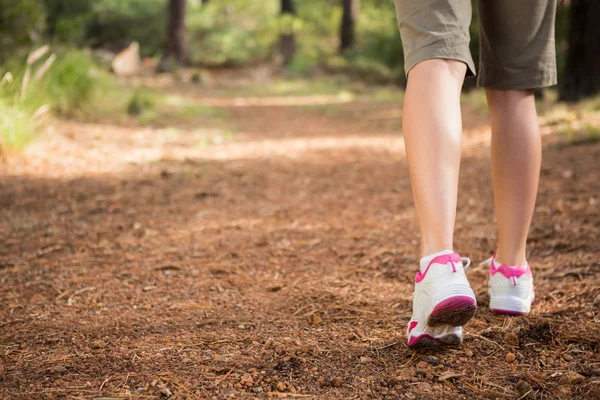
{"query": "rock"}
pixel 166 392
pixel 280 386
pixel 449 375
pixel 469 353
pixel 98 344
pixel 510 357
pixel 571 378
pixel 127 62
pixel 432 360
pixel 336 382
pixel 567 357
pixel 257 390
pixel 525 391
pixel 511 339
pixel 365 360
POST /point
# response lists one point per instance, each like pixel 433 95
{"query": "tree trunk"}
pixel 176 46
pixel 287 40
pixel 348 23
pixel 582 71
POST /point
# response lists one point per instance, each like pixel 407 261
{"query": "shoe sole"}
pixel 454 311
pixel 425 340
pixel 510 305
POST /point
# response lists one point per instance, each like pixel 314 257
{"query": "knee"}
pixel 504 97
pixel 440 67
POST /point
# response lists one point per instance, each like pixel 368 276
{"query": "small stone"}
pixel 365 360
pixel 525 391
pixel 241 326
pixel 469 353
pixel 510 357
pixel 257 390
pixel 571 378
pixel 566 357
pixel 433 360
pixel 511 339
pixel 98 344
pixel 280 386
pixel 166 392
pixel 336 382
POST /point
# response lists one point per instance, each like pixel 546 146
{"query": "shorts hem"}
pixel 441 50
pixel 504 81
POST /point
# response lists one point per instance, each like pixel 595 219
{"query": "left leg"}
pixel 516 161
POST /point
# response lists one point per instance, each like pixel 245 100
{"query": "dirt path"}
pixel 137 264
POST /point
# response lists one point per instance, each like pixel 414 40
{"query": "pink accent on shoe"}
pixel 510 272
pixel 415 339
pixel 443 259
pixel 451 304
pixel 412 326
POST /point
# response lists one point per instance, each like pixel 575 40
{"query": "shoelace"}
pixel 465 260
pixel 487 262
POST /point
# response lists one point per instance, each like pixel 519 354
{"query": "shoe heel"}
pixel 509 305
pixel 454 311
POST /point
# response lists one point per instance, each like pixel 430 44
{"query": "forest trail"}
pixel 271 252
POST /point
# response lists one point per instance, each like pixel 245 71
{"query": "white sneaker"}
pixel 443 301
pixel 511 288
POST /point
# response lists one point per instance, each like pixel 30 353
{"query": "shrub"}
pixel 68 86
pixel 21 21
pixel 139 102
pixel 17 126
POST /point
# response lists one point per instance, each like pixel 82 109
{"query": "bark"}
pixel 176 43
pixel 348 23
pixel 287 39
pixel 581 77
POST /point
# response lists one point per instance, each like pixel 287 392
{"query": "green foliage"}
pixel 17 126
pixel 117 21
pixel 68 86
pixel 235 32
pixel 139 102
pixel 67 20
pixel 21 22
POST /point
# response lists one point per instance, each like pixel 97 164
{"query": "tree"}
pixel 348 23
pixel 582 70
pixel 287 40
pixel 176 45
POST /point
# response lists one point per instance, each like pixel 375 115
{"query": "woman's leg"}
pixel 516 161
pixel 432 128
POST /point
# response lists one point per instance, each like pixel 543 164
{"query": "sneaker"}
pixel 443 301
pixel 511 288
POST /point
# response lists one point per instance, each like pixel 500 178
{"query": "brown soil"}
pixel 279 263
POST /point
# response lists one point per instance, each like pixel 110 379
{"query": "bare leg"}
pixel 516 161
pixel 432 127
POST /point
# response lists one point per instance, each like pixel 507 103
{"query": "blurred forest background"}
pixel 295 38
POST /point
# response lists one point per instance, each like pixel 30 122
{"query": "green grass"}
pixel 18 127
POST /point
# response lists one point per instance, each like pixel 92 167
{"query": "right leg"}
pixel 435 36
pixel 432 130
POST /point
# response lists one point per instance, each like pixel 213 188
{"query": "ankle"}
pixel 512 259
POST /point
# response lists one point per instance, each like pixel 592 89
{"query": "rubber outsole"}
pixel 455 311
pixel 425 340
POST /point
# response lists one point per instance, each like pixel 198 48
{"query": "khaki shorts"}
pixel 517 48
